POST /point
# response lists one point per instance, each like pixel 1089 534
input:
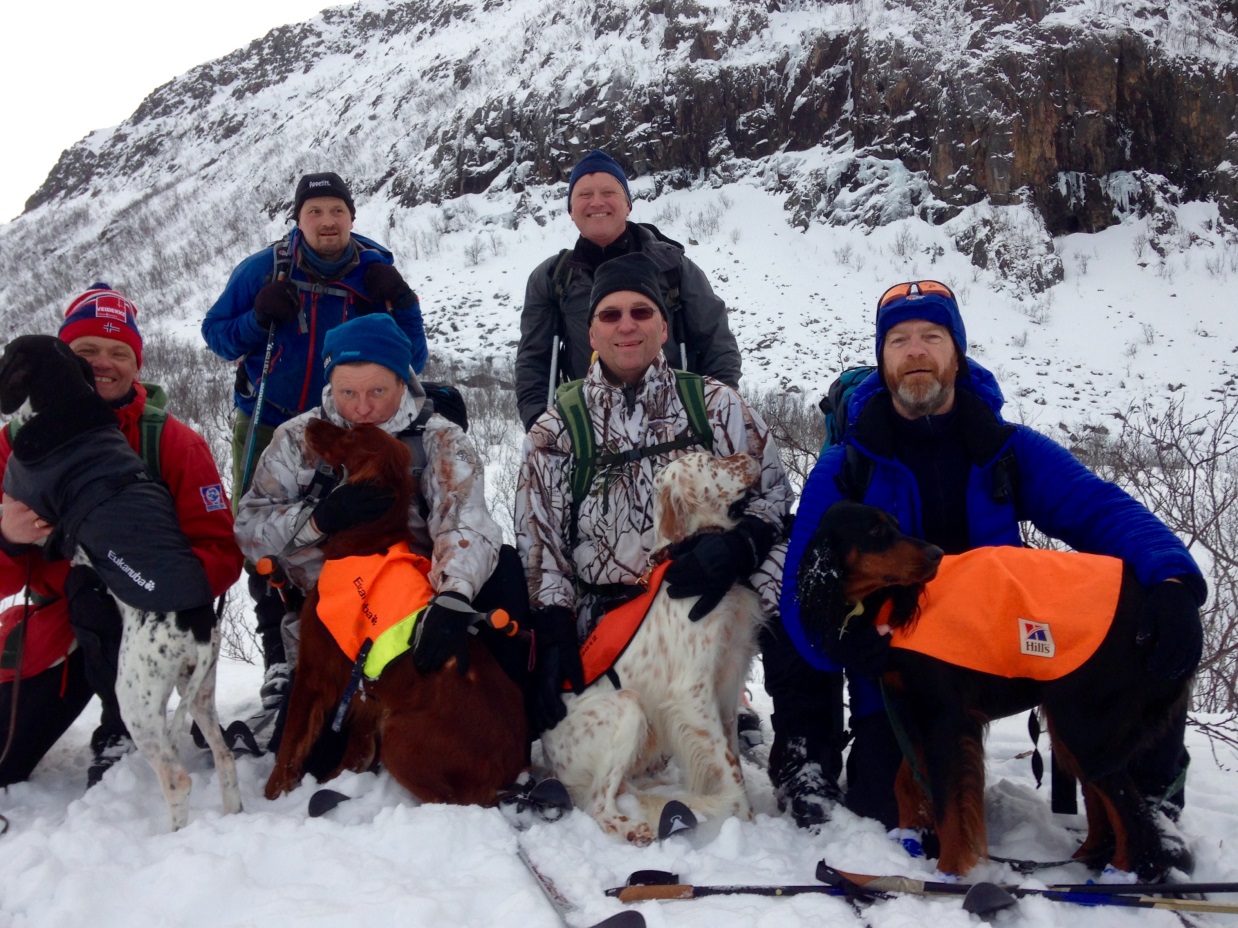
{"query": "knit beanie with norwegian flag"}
pixel 105 313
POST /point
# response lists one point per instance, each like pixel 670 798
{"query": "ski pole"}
pixel 251 436
pixel 987 897
pixel 638 893
pixel 829 875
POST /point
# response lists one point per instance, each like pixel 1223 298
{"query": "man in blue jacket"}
pixel 928 445
pixel 289 296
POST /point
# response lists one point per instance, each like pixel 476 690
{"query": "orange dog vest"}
pixel 1015 612
pixel 616 629
pixel 378 597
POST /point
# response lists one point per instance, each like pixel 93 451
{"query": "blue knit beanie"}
pixel 931 307
pixel 598 162
pixel 374 338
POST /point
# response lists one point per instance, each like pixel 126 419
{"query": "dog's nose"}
pixel 933 555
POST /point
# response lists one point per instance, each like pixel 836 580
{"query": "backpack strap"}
pixel 561 278
pixel 673 301
pixel 412 436
pixel 691 388
pixel 570 401
pixel 150 434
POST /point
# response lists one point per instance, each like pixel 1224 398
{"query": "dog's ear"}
pixel 35 366
pixel 14 376
pixel 906 601
pixel 320 435
pixel 819 585
pixel 673 503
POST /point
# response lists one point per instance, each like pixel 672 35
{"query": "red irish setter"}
pixel 1102 707
pixel 445 737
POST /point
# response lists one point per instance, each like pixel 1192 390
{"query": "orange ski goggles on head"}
pixel 914 288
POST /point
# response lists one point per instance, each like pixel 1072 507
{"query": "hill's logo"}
pixel 1036 639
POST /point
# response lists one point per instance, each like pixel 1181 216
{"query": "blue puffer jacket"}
pixel 296 379
pixel 1046 486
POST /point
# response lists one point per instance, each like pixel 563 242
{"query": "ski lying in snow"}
pixel 564 907
pixel 676 819
pixel 984 898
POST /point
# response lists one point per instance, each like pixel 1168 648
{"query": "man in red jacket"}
pixel 67 630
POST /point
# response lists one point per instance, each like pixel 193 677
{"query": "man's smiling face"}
pixel 600 208
pixel 920 364
pixel 114 364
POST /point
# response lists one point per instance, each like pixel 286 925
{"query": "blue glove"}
pixel 1170 630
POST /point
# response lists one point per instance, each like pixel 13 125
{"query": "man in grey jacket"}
pixel 554 324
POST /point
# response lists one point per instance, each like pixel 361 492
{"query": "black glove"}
pixel 707 565
pixel 385 286
pixel 352 504
pixel 860 648
pixel 276 303
pixel 1170 629
pixel 442 631
pixel 557 659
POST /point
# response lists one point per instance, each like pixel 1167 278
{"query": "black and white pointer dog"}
pixel 72 465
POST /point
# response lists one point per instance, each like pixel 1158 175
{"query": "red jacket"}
pixel 205 516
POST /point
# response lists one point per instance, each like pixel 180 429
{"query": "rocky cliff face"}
pixel 996 101
pixel 860 113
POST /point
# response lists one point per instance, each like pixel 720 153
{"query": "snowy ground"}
pixel 105 857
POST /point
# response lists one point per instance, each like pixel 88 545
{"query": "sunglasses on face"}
pixel 913 288
pixel 611 316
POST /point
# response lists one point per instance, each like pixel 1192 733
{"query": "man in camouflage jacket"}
pixel 633 402
pixel 279 517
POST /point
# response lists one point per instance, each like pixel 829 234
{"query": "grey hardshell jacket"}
pixel 711 348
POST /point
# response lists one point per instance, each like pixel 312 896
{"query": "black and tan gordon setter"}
pixel 1055 630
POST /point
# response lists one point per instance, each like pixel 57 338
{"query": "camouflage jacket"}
pixel 615 525
pixel 458 534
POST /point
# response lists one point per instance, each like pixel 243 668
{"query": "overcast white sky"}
pixel 86 65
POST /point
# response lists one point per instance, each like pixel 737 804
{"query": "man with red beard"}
pixel 927 444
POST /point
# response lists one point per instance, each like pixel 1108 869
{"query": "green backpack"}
pixel 570 401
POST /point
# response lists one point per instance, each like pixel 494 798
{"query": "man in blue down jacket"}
pixel 927 444
pixel 295 291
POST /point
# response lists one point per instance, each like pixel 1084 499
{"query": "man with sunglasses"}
pixel 581 564
pixel 554 341
pixel 928 444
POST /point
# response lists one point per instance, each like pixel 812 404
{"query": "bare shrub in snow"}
pixel 1184 467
